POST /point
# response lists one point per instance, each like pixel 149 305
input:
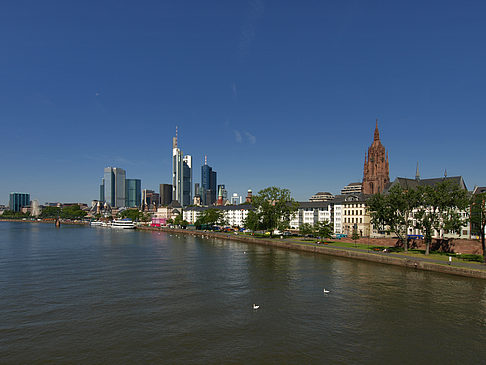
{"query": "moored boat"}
pixel 123 224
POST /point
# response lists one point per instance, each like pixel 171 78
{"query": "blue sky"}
pixel 279 93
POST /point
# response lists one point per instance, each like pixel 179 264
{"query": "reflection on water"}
pixel 96 295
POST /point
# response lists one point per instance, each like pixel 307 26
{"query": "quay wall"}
pixel 382 258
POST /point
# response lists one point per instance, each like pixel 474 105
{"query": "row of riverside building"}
pixel 348 210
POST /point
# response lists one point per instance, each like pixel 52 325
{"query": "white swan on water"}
pixel 255 306
pixel 326 291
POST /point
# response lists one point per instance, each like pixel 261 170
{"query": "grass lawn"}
pixel 441 256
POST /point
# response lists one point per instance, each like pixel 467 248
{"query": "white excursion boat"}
pixel 96 224
pixel 123 224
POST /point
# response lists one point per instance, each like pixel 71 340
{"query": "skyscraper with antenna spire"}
pixel 181 174
pixel 208 183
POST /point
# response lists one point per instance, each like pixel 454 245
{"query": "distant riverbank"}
pixel 51 221
pixel 462 269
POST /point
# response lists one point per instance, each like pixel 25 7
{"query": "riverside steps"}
pixel 474 270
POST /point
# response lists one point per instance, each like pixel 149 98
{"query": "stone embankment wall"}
pixel 352 254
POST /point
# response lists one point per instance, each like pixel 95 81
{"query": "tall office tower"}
pixel 165 194
pixel 181 175
pixel 18 200
pixel 208 183
pixel 187 181
pixel 213 184
pixel 133 193
pixel 102 191
pixel 150 199
pixel 196 189
pixel 115 178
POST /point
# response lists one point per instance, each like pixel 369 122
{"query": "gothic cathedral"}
pixel 376 175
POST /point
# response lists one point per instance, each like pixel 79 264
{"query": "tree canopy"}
pixel 274 208
pixel 179 221
pixel 50 212
pixel 210 217
pixel 478 218
pixel 393 211
pixel 439 208
pixel 72 212
pixel 133 214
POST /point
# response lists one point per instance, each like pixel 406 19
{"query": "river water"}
pixel 102 296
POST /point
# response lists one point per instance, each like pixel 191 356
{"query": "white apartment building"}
pixel 311 213
pixel 233 215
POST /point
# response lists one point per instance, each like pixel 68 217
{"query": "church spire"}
pixel 376 174
pixel 377 132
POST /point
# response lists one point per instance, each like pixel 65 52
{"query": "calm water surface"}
pixel 96 295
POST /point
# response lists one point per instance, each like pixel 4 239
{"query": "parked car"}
pixel 340 235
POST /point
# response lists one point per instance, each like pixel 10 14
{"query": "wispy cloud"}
pixel 248 29
pixel 250 137
pixel 238 137
pixel 244 136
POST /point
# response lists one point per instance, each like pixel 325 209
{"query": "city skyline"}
pixel 274 93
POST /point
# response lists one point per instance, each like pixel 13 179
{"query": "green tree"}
pixel 478 219
pixel 323 229
pixel 211 217
pixel 274 207
pixel 10 214
pixel 50 212
pixel 393 211
pixel 179 221
pixel 440 209
pixel 305 229
pixel 252 221
pixel 355 235
pixel 133 214
pixel 146 217
pixel 72 212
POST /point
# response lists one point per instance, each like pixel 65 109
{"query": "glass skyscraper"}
pixel 208 184
pixel 181 175
pixel 115 189
pixel 165 194
pixel 18 200
pixel 133 193
pixel 102 191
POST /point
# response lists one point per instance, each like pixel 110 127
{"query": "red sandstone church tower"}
pixel 376 173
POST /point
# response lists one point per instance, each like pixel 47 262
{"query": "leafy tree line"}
pixel 67 212
pixel 135 215
pixel 10 214
pixel 211 217
pixel 428 208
